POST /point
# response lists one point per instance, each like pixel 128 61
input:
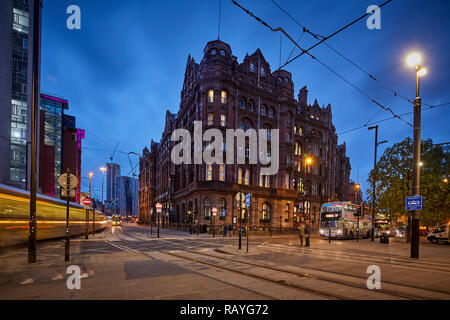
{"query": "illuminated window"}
pixel 211 96
pixel 209 172
pixel 267 181
pixel 287 181
pixel 223 120
pixel 210 119
pixel 286 213
pixel 247 177
pixel 223 209
pixel 207 209
pixel 222 173
pixel 265 213
pixel 240 176
pixel 224 97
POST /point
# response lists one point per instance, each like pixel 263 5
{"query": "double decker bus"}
pixel 339 217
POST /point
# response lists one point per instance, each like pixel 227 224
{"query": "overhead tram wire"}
pixel 316 36
pixel 330 36
pixel 279 29
pixel 387 119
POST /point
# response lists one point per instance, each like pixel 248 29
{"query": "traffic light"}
pixel 358 212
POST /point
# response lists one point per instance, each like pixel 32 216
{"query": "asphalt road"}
pixel 127 262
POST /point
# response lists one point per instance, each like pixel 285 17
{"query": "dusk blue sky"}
pixel 125 68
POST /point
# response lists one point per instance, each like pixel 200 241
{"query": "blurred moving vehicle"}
pixel 116 221
pixel 440 234
pixel 423 232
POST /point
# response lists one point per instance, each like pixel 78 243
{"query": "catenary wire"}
pixel 279 29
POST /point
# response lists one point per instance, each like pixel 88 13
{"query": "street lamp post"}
pixel 32 229
pixel 415 60
pixel 103 170
pixel 357 188
pixel 375 177
pixel 308 162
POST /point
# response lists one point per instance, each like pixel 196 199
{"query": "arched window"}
pixel 264 110
pixel 207 209
pixel 242 103
pixel 265 212
pixel 211 96
pixel 270 112
pixel 245 124
pixel 263 72
pixel 250 106
pixel 213 52
pixel 224 97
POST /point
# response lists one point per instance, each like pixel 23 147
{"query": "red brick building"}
pixel 225 94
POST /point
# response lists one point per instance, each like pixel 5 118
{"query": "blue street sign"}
pixel 248 200
pixel 414 203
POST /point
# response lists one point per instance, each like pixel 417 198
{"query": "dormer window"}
pixel 213 52
pixel 252 67
pixel 270 113
pixel 222 53
pixel 242 104
pixel 286 79
pixel 263 72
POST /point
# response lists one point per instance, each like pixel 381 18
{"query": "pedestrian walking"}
pixel 301 232
pixel 224 231
pixel 230 230
pixel 308 232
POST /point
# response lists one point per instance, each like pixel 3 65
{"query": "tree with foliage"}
pixel 394 182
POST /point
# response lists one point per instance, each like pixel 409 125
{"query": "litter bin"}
pixel 384 238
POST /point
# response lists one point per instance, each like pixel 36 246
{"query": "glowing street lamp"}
pixel 414 60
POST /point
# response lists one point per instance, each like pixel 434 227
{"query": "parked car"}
pixel 440 234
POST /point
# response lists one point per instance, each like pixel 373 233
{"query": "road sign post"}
pixel 214 212
pixel 414 203
pixel 248 204
pixel 158 211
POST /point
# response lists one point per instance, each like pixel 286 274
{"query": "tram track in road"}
pixel 422 265
pixel 352 283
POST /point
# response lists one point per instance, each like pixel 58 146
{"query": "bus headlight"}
pixel 339 231
pixel 322 231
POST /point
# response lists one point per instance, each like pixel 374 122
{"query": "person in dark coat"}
pixel 308 232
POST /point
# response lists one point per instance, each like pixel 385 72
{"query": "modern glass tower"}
pixel 16 60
